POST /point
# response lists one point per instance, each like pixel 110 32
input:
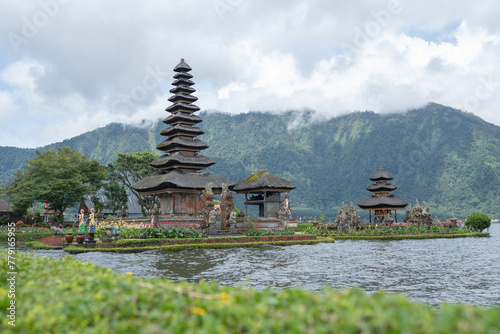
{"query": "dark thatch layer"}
pixel 182 89
pixel 381 175
pixel 381 187
pixel 182 107
pixel 5 207
pixel 182 98
pixel 179 159
pixel 375 202
pixel 183 82
pixel 179 180
pixel 181 143
pixel 180 130
pixel 263 180
pixel 182 67
pixel 182 75
pixel 179 118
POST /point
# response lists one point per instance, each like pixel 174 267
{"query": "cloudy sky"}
pixel 70 66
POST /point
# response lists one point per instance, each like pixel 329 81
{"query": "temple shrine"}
pixel 180 179
pixel 265 192
pixel 382 202
pixel 186 192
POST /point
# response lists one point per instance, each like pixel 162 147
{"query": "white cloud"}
pixel 91 63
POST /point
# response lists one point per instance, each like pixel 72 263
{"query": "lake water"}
pixel 463 270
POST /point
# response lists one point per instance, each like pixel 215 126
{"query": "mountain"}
pixel 446 157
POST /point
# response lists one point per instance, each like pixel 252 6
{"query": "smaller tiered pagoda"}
pixel 382 202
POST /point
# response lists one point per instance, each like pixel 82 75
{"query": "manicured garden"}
pixel 76 297
pixel 397 231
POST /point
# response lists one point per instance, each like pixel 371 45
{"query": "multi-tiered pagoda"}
pixel 382 202
pixel 180 180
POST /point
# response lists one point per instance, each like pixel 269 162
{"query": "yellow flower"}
pixel 198 311
pixel 223 296
pixel 129 273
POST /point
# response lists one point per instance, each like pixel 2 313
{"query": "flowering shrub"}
pixel 164 230
pixel 52 241
pixel 400 228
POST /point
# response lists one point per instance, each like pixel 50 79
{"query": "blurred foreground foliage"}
pixel 66 296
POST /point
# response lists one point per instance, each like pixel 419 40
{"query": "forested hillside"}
pixel 448 158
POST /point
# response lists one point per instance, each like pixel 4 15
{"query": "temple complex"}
pixel 180 179
pixel 382 202
pixel 265 191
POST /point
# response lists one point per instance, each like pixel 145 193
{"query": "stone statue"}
pixel 354 217
pixel 284 214
pixel 417 212
pixel 154 215
pixel 123 213
pixel 408 214
pixel 82 227
pixel 207 205
pixel 57 230
pixel 115 233
pixel 212 222
pixel 226 205
pixel 426 216
pixel 341 218
pixel 232 222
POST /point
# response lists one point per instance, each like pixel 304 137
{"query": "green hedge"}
pixel 177 248
pixel 27 236
pixel 408 236
pixel 74 297
pixel 37 245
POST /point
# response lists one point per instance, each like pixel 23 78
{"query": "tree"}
pixel 116 195
pixel 133 167
pixel 478 221
pixel 60 178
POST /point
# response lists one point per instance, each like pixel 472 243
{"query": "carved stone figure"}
pixel 226 205
pixel 354 217
pixel 57 230
pixel 408 214
pixel 154 215
pixel 341 218
pixel 232 222
pixel 417 212
pixel 123 213
pixel 115 233
pixel 207 205
pixel 212 222
pixel 284 214
pixel 426 216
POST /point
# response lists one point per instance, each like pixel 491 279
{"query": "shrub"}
pixel 84 298
pixel 478 221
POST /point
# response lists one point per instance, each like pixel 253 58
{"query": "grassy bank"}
pixel 75 297
pixel 408 236
pixel 134 246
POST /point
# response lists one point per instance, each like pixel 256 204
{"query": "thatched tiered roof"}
pixel 179 166
pixel 381 198
pixel 263 181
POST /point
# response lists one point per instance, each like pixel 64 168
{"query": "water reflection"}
pixel 431 271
